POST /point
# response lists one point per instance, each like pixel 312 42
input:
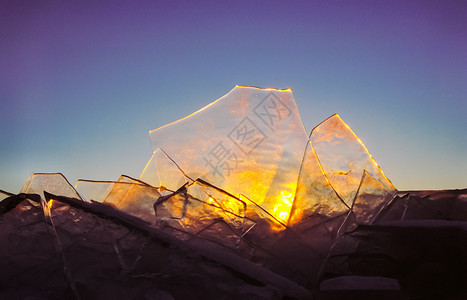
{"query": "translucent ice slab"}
pixel 54 183
pixel 343 158
pixel 4 195
pixel 250 142
pixel 149 174
pixel 94 190
pixel 315 195
pixel 127 194
pixel 370 199
pixel 337 175
pixel 168 173
pixel 135 199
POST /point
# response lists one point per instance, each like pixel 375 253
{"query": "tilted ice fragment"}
pixel 250 142
pixel 370 199
pixel 135 199
pixel 127 194
pixel 149 174
pixel 98 190
pixel 94 190
pixel 314 196
pixel 343 158
pixel 162 171
pixel 54 183
pixel 4 195
pixel 125 178
pixel 170 175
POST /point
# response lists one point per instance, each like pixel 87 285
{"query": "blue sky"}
pixel 82 82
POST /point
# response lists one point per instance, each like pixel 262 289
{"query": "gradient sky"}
pixel 82 82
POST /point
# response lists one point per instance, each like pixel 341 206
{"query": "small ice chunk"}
pixel 134 198
pixel 4 195
pixel 94 190
pixel 54 183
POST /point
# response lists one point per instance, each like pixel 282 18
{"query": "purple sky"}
pixel 82 82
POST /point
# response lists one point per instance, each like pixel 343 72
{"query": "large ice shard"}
pixel 250 142
pixel 344 158
pixel 338 177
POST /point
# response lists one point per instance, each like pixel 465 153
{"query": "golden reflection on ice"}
pixel 251 143
pixel 283 202
pixel 282 207
pixel 343 158
pixel 248 142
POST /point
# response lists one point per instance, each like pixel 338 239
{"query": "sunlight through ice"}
pixel 251 142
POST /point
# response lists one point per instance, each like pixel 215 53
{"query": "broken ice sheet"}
pixel 315 195
pixel 110 255
pixel 162 170
pixel 204 210
pixel 250 142
pixel 99 190
pixel 370 199
pixel 343 158
pixel 87 243
pixel 54 183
